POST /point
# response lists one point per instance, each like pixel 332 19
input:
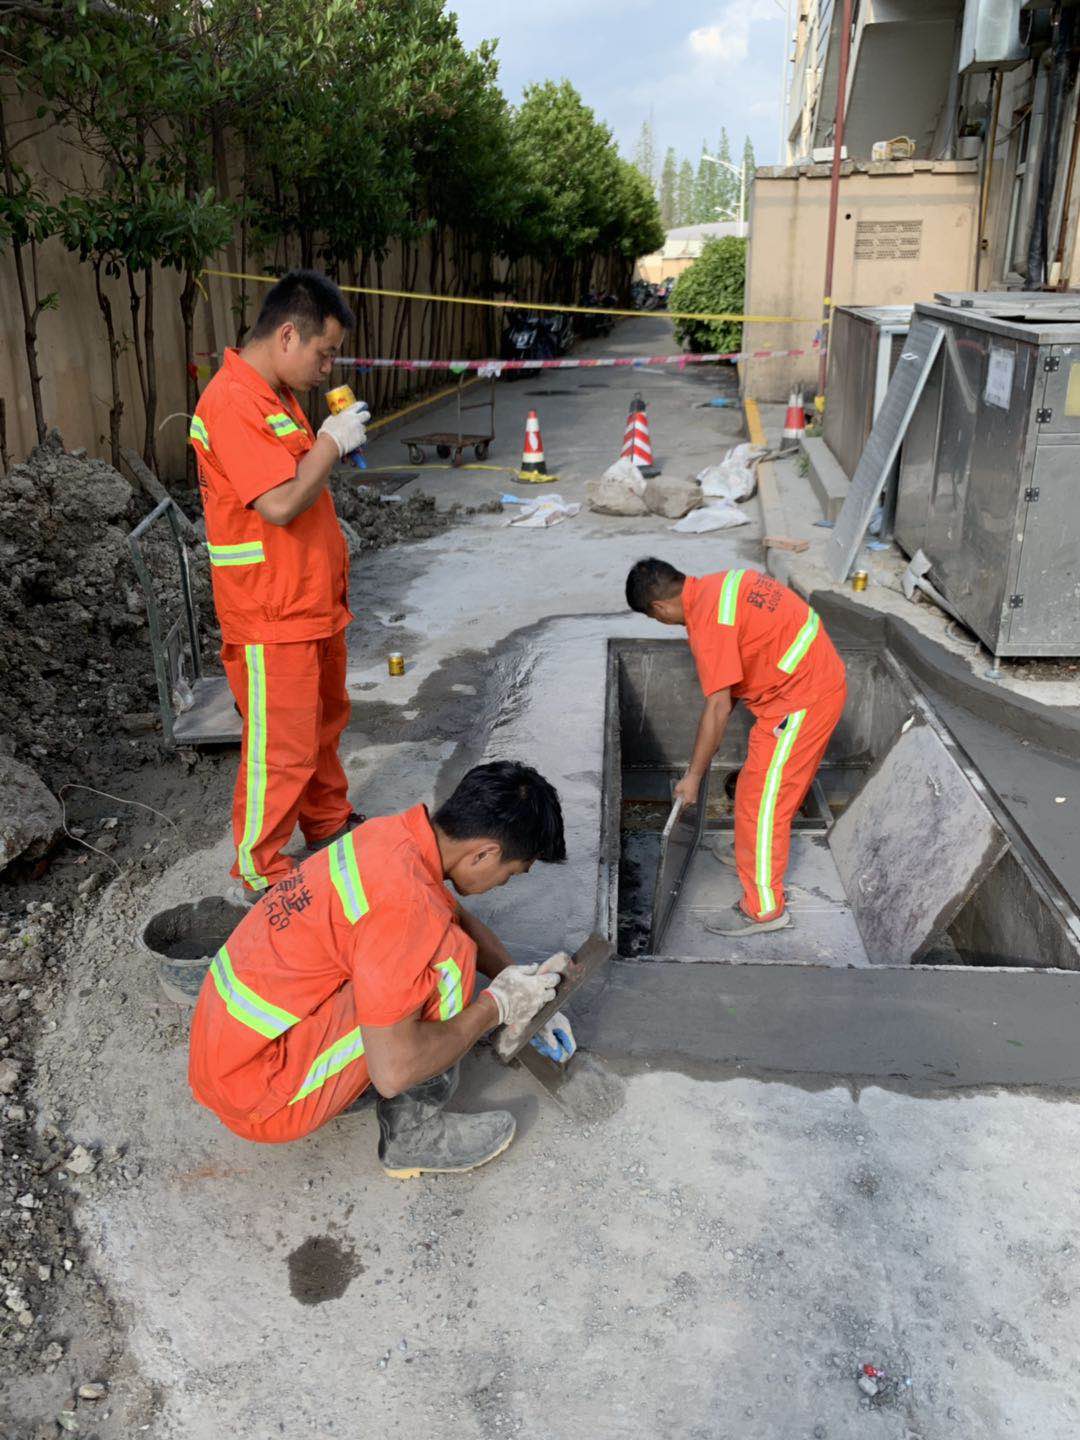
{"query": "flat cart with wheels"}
pixel 450 444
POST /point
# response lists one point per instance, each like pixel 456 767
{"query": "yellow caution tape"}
pixel 536 305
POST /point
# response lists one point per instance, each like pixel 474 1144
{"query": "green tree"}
pixel 669 198
pixel 684 195
pixel 705 190
pixel 712 285
pixel 27 220
pixel 645 152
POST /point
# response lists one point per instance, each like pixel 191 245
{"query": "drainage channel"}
pixel 901 855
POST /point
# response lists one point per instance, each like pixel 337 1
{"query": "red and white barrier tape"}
pixel 491 369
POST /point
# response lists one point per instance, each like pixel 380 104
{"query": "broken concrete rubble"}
pixel 29 813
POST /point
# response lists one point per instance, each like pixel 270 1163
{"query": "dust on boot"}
pixel 416 1135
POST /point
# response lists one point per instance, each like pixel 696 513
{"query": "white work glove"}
pixel 347 428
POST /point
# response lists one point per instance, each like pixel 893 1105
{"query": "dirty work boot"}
pixel 739 923
pixel 415 1135
pixel 355 819
pixel 724 851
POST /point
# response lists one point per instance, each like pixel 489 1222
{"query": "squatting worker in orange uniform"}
pixel 359 969
pixel 280 571
pixel 753 640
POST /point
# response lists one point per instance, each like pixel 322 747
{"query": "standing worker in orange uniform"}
pixel 359 970
pixel 280 571
pixel 753 640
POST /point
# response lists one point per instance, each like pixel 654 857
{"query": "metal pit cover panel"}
pixel 678 845
pixel 913 846
pixel 905 387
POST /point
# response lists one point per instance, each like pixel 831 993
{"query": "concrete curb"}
pixel 773 517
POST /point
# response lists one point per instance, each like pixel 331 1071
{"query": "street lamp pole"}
pixel 740 171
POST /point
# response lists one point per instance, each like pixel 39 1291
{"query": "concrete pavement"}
pixel 712 1260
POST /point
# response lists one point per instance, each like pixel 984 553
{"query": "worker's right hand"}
pixel 520 991
pixel 347 428
pixel 687 789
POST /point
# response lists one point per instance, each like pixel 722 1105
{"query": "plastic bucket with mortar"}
pixel 183 940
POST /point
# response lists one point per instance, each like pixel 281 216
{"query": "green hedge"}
pixel 712 285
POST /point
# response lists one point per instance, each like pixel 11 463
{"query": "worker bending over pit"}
pixel 358 970
pixel 753 640
pixel 280 572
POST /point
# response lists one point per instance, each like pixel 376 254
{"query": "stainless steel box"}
pixel 864 345
pixel 990 473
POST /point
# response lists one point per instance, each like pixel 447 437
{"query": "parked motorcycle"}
pixel 529 336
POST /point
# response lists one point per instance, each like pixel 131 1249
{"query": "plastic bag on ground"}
pixel 541 513
pixel 733 478
pixel 619 491
pixel 716 515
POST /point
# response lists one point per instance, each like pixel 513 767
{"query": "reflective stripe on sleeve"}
pixel 197 431
pixel 331 1062
pixel 345 874
pixel 254 767
pixel 282 424
pixel 729 596
pixel 244 1004
pixel 250 552
pixel 763 848
pixel 800 645
pixel 450 998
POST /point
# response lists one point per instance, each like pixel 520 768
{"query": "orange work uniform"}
pixel 364 932
pixel 281 595
pixel 754 635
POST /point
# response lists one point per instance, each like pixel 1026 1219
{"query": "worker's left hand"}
pixel 557 964
pixel 687 789
pixel 556 1039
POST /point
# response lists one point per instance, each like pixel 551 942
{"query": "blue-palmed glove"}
pixel 556 1039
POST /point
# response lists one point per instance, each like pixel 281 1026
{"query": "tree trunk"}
pixel 191 384
pixel 116 410
pixel 136 332
pixel 150 439
pixel 30 311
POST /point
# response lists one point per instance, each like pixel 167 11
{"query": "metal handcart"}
pixel 450 444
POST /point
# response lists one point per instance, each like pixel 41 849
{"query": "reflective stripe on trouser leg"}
pixel 255 723
pixel 331 1062
pixel 763 848
pixel 324 805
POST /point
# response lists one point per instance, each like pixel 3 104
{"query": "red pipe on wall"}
pixel 834 186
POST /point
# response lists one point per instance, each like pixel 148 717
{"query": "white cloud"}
pixel 727 40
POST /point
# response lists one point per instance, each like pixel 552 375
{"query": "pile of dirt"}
pixel 76 670
pixel 373 521
pixel 78 695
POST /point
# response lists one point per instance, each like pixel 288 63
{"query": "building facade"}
pixel 994 81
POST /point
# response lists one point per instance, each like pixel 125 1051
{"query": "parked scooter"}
pixel 529 336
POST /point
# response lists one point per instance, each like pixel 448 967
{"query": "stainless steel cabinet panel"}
pixel 1043 613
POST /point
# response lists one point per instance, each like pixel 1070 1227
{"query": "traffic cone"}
pixel 532 456
pixel 637 447
pixel 795 420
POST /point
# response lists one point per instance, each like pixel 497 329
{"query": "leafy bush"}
pixel 712 285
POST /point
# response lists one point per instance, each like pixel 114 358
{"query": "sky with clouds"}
pixel 692 65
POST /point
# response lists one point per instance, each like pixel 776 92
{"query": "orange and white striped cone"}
pixel 795 420
pixel 637 446
pixel 532 456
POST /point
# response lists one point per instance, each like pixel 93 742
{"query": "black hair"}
pixel 306 298
pixel 652 579
pixel 510 803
